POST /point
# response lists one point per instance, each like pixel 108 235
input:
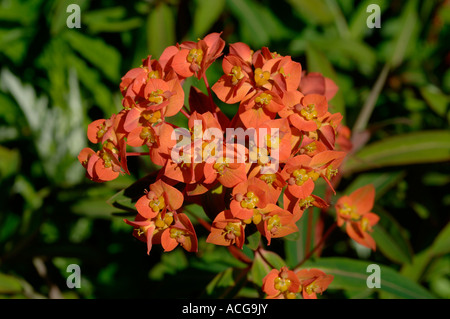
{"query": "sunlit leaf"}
pixel 411 148
pixel 227 283
pixel 160 29
pixel 352 274
pixel 206 14
pixel 9 284
pixel 101 55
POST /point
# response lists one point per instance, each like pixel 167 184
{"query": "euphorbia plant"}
pixel 262 164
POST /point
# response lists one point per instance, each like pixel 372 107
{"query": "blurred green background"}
pixel 394 92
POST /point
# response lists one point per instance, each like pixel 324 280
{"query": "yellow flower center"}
pixel 232 230
pixel 261 77
pixel 236 74
pixel 263 99
pixel 157 204
pixel 309 112
pixel 147 135
pixel 268 178
pixel 282 284
pixel 349 211
pixel 274 224
pixel 195 56
pixel 365 224
pixel 331 172
pixel 152 117
pixel 250 200
pixel 156 96
pixel 220 167
pixel 306 202
pixel 107 157
pixel 163 223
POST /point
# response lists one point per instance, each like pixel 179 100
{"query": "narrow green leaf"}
pixel 252 27
pixel 381 181
pixel 9 284
pixel 437 100
pixel 206 14
pixel 410 148
pixel 9 162
pixel 227 283
pixel 352 274
pixel 259 270
pixel 103 56
pixel 160 29
pixel 409 21
pixel 253 240
pixel 274 259
pixel 315 12
pixel 441 244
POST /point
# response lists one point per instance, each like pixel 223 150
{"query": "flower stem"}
pixel 211 100
pixel 319 244
pixel 309 230
pixel 137 153
pixel 185 113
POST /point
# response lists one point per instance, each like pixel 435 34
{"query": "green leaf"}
pixel 409 22
pixel 101 55
pixel 441 244
pixel 160 29
pixel 381 181
pixel 259 270
pixel 410 148
pixel 253 240
pixel 110 20
pixel 314 12
pixel 206 14
pixel 391 240
pixel 227 283
pixel 171 263
pixel 9 284
pixel 352 274
pixel 9 162
pixel 254 32
pixel 434 97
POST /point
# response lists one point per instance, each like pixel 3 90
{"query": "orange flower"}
pixel 307 112
pixel 273 221
pixel 259 107
pixel 150 230
pixel 181 232
pixel 281 284
pixel 274 181
pixel 225 167
pixel 247 196
pixel 227 230
pixel 316 83
pixel 101 166
pixel 236 83
pixel 300 176
pixel 195 57
pixel 157 138
pixel 355 211
pixel 161 198
pixel 313 281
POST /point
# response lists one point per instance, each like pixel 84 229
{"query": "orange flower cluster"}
pixel 287 284
pixel 283 140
